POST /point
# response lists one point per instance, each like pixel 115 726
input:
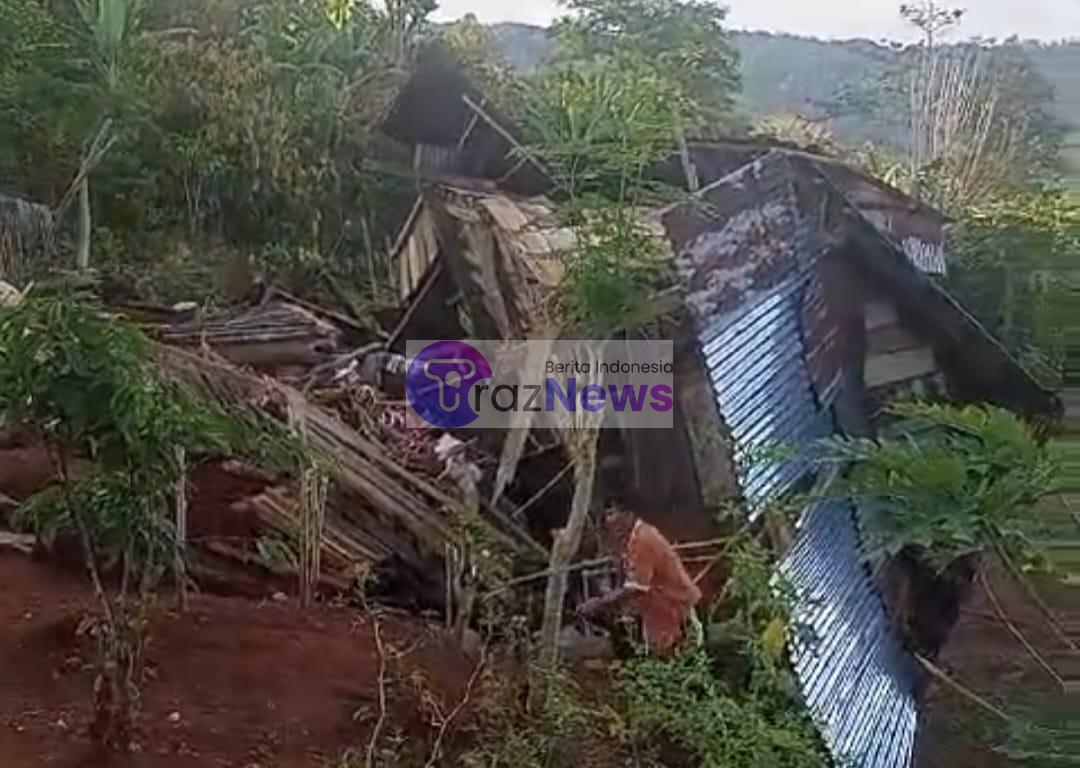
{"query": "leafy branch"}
pixel 85 383
pixel 949 482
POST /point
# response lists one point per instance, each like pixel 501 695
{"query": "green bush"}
pixel 84 382
pixel 614 271
pixel 951 482
pixel 684 700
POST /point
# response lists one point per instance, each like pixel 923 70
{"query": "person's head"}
pixel 618 525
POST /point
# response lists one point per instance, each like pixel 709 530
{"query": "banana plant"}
pixel 110 26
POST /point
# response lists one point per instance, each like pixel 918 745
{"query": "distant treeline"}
pixel 784 73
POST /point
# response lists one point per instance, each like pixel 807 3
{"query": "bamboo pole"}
pixel 313 488
pixel 582 436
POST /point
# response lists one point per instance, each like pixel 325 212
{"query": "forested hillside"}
pixel 816 78
pixel 786 73
pixel 1060 64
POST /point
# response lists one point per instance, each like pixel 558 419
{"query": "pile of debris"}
pixel 380 510
pixel 396 511
pixel 277 337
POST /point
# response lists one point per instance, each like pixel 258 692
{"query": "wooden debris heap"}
pixel 379 514
pixel 277 337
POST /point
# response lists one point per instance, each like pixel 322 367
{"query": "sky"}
pixel 873 19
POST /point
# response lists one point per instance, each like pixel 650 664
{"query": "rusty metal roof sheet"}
pixel 747 258
pixel 916 226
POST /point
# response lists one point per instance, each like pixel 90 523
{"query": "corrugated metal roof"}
pixel 821 339
pixel 755 361
pixel 856 679
pixel 748 264
pixel 751 268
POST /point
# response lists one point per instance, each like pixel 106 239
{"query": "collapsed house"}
pixel 394 520
pixel 807 296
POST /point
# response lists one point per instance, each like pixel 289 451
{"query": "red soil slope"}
pixel 232 682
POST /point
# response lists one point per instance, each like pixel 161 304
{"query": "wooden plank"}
pixel 19 542
pixel 359 465
pixel 417 254
pixel 890 338
pixel 407 229
pixel 879 313
pixel 882 370
pixel 507 215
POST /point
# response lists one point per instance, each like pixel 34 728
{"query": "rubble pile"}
pixel 395 514
pixel 392 511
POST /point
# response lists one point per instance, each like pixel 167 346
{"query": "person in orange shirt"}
pixel 655 582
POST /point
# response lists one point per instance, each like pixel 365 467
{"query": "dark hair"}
pixel 615 512
pixel 615 501
pixel 615 527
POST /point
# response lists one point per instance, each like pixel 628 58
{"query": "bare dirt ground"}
pixel 232 682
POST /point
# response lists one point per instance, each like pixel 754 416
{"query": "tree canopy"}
pixel 686 40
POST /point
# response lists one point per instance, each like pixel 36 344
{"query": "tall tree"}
pixel 1013 263
pixel 932 18
pixel 684 39
pixel 978 115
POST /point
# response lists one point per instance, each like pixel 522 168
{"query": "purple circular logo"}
pixel 440 379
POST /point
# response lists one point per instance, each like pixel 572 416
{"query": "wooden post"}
pixel 298 423
pixel 582 434
pixel 369 247
pixel 313 489
pixel 312 516
pixel 565 545
pixel 304 566
pixel 693 184
pixel 319 488
pixel 179 569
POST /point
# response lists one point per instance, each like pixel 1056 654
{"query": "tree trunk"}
pixel 82 254
pixel 565 546
pixel 693 184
